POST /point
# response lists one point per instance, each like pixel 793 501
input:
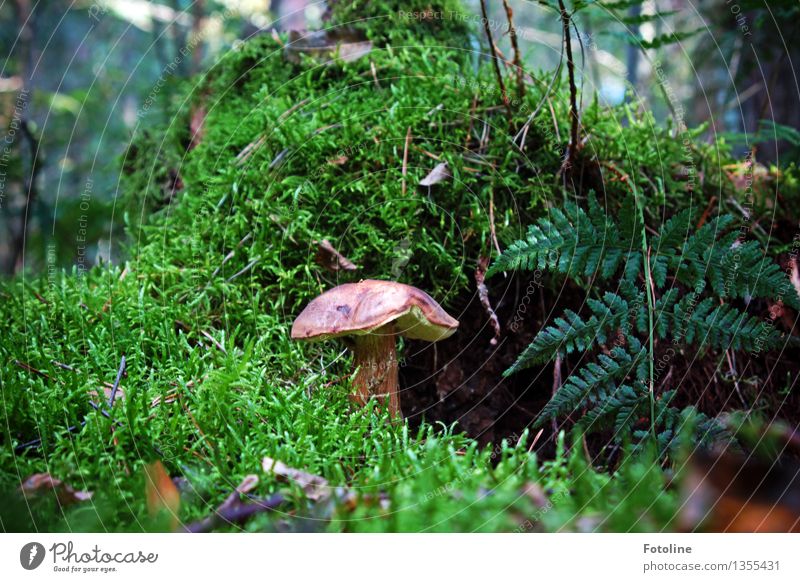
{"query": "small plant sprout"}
pixel 371 315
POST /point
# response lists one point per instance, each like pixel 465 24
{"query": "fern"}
pixel 571 241
pixel 571 332
pixel 696 273
pixel 588 381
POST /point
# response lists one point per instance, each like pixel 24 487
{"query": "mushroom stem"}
pixel 375 355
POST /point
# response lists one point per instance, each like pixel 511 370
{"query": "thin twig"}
pixel 246 268
pixel 374 74
pixel 483 296
pixel 545 99
pixel 573 90
pixel 236 514
pixel 210 338
pixel 650 308
pixel 517 61
pixel 500 82
pixel 735 377
pixel 405 158
pixel 492 227
pixel 292 109
pixel 115 387
pixel 471 119
pixel 62 366
pixel 556 388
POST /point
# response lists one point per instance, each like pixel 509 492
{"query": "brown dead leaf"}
pixel 102 395
pixel 162 495
pixel 338 161
pixel 438 174
pixel 536 494
pixel 350 501
pixel 196 125
pixel 795 276
pixel 327 46
pixel 314 486
pixel 42 483
pixel 331 259
pixel 727 492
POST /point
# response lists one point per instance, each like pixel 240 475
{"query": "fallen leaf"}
pixel 326 46
pixel 795 277
pixel 727 492
pixel 196 126
pixel 536 494
pixel 438 174
pixel 162 495
pixel 41 483
pixel 331 259
pixel 338 161
pixel 246 486
pixel 314 486
pixel 102 395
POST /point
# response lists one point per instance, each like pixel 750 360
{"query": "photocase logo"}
pixel 31 555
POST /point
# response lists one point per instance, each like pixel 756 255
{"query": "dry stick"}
pixel 735 376
pixel 235 513
pixel 556 387
pixel 62 366
pixel 517 62
pixel 494 60
pixel 471 119
pixel 492 228
pixel 374 74
pixel 573 90
pixel 246 268
pixel 115 387
pixel 218 345
pixel 405 158
pixel 74 428
pixel 583 59
pixel 483 296
pixel 545 99
pixel 535 439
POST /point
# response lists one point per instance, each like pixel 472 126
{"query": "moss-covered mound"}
pixel 274 150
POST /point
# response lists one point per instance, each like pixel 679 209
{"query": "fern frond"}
pixel 571 332
pixel 742 270
pixel 570 241
pixel 591 378
pixel 721 326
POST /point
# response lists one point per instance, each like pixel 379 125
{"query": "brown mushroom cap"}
pixel 364 307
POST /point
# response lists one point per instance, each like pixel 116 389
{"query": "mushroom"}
pixel 371 314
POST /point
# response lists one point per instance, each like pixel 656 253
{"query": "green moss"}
pixel 391 21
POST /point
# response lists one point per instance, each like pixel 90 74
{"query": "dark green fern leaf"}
pixel 589 378
pixel 571 332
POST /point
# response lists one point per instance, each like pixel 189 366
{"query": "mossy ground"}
pixel 222 257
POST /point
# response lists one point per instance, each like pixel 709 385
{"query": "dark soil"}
pixel 459 380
